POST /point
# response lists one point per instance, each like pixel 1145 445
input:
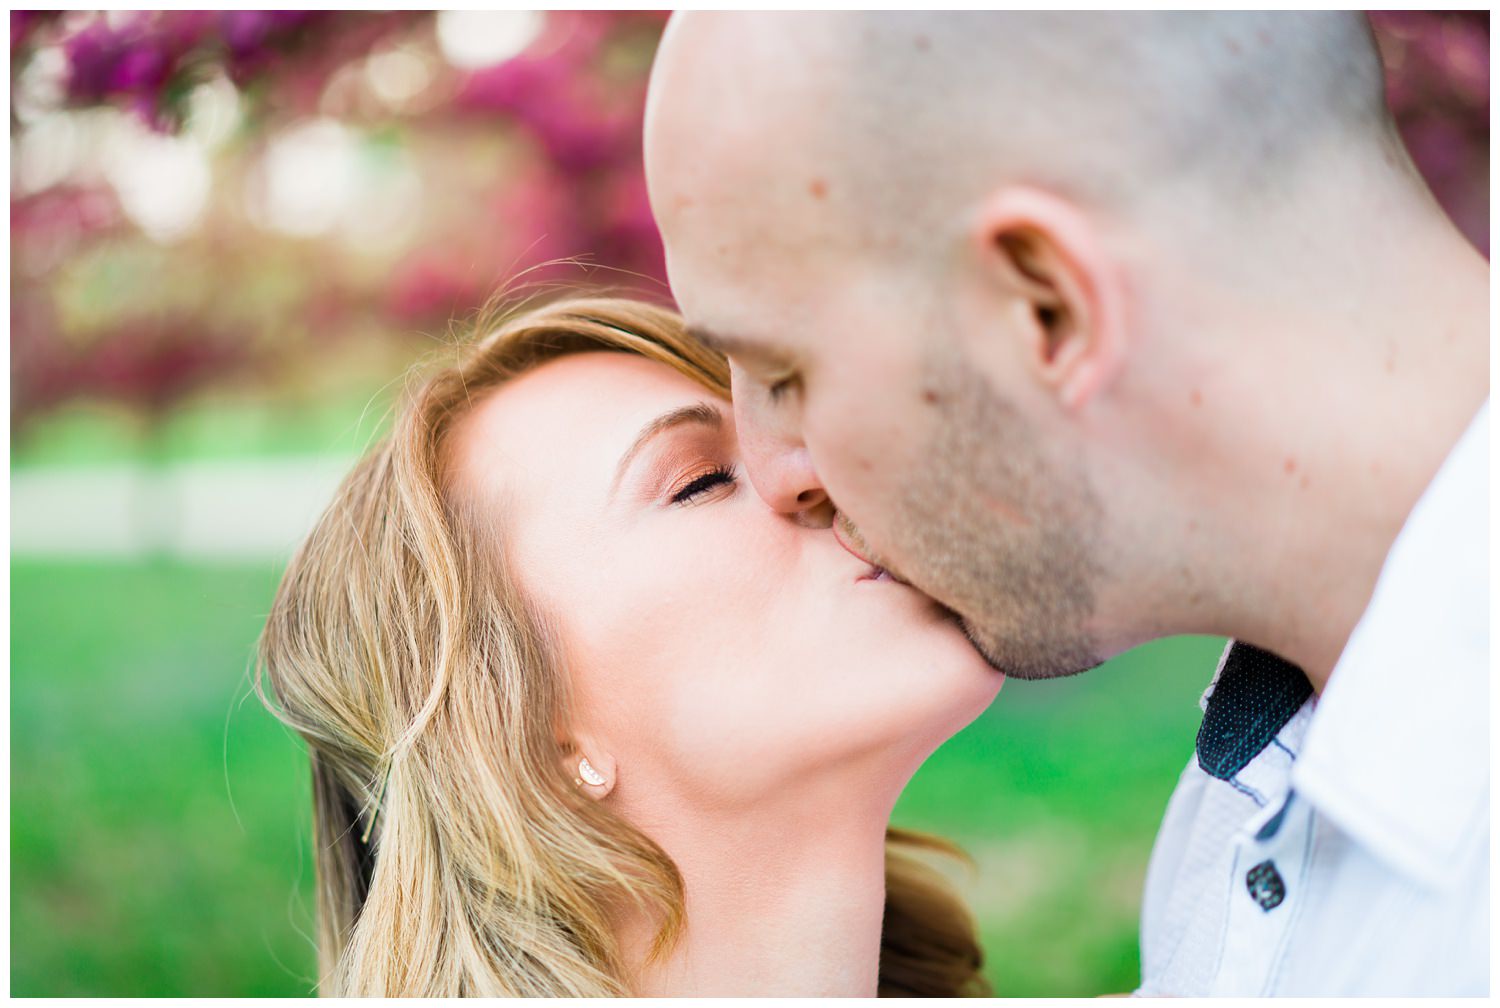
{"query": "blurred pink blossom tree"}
pixel 519 164
pixel 455 177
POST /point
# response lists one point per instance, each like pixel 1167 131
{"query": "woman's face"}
pixel 717 651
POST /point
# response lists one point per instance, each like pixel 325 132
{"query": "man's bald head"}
pixel 903 119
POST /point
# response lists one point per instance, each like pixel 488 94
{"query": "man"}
pixel 1098 328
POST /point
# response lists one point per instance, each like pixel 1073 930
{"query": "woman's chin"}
pixel 975 688
pixel 909 611
pixel 873 731
pixel 927 703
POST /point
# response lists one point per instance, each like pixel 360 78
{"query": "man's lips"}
pixel 843 531
pixel 845 534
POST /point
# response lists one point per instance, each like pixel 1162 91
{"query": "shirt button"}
pixel 1265 885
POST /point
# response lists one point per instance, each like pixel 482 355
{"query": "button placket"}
pixel 1269 862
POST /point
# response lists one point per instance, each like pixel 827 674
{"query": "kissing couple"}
pixel 1007 342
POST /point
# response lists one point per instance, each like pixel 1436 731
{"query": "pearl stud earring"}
pixel 588 774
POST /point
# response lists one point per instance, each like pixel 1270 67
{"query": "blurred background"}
pixel 230 233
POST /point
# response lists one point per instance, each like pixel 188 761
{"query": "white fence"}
pixel 243 509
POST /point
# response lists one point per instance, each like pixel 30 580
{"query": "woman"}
pixel 586 717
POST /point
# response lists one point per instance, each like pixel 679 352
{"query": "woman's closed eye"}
pixel 704 483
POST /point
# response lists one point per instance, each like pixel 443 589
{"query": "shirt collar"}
pixel 1252 697
pixel 1398 750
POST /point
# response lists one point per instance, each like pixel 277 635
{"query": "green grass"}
pixel 159 826
pixel 157 823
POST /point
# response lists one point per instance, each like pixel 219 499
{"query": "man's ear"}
pixel 1044 252
pixel 589 767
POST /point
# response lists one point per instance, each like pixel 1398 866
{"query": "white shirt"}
pixel 1350 853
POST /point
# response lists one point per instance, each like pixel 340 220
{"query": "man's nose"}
pixel 792 487
pixel 782 472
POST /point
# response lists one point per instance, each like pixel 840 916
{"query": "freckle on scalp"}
pixel 818 187
pixel 930 396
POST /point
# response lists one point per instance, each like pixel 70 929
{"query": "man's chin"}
pixel 1058 663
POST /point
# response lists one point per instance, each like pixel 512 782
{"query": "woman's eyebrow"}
pixel 697 413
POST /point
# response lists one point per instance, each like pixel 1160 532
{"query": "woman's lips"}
pixel 843 531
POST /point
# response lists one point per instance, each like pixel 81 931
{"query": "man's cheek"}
pixel 864 480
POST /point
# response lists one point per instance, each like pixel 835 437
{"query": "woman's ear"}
pixel 589 766
pixel 1045 252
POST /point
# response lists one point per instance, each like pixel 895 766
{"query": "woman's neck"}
pixel 774 907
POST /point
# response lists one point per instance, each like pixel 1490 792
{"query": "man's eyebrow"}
pixel 697 413
pixel 733 346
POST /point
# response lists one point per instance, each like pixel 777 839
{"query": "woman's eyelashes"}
pixel 704 483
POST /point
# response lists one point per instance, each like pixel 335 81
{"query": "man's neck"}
pixel 773 908
pixel 1348 461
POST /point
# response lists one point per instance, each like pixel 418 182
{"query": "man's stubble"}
pixel 1003 534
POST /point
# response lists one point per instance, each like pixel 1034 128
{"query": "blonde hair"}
pixel 453 855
